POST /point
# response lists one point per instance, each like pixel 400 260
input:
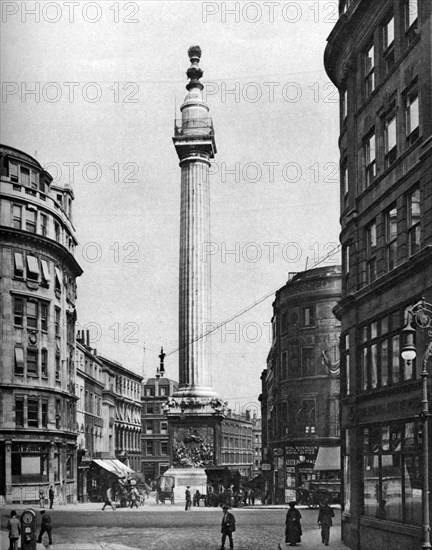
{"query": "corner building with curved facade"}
pixel 37 332
pixel 300 387
pixel 379 57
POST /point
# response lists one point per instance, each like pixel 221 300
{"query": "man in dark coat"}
pixel 45 527
pixel 14 528
pixel 325 516
pixel 293 531
pixel 228 527
pixel 51 496
pixel 188 498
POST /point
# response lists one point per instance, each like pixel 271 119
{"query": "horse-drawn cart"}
pixel 165 489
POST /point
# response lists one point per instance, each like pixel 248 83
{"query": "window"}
pixel 347 259
pixel 44 414
pixel 43 224
pixel 25 176
pixel 34 178
pixel 369 70
pixel 414 234
pixel 32 268
pixel 411 19
pixel 32 413
pixel 346 358
pixel 41 184
pixel 57 232
pixel 392 478
pixel 58 278
pixel 32 362
pixel 163 391
pixel 149 392
pixel 19 412
pixel 58 368
pixel 164 447
pixel 344 178
pixel 32 314
pixel 344 105
pixel 308 364
pixel 19 360
pixel 388 34
pixel 390 140
pixel 58 413
pixel 369 153
pixel 391 237
pixel 16 216
pixel 18 311
pixel 395 359
pixel 307 416
pixel 149 427
pixel 57 322
pixel 150 408
pixel 371 253
pixel 44 363
pixel 308 317
pixel 13 171
pixel 412 116
pixel 18 265
pixel 30 220
pixel 46 277
pixel 164 427
pixel 150 448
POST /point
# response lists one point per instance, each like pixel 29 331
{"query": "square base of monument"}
pixel 196 478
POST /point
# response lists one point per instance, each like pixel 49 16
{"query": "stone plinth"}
pixel 196 478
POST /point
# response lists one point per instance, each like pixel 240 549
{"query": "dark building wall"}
pixel 386 239
pixel 301 384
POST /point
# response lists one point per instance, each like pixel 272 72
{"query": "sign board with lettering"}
pixel 265 466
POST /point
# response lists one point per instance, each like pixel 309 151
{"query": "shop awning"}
pixel 328 458
pixel 114 466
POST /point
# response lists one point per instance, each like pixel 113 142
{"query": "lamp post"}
pixel 421 314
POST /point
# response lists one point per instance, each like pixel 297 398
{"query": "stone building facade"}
pixel 89 388
pixel 300 397
pixel 37 332
pixel 379 57
pixel 154 435
pixel 237 442
pixel 124 386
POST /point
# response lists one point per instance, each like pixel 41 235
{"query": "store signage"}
pixel 265 466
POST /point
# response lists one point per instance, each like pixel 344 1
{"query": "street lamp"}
pixel 421 314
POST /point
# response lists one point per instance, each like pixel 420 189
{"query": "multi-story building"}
pixel 300 399
pixel 256 445
pixel 89 388
pixel 379 56
pixel 37 331
pixel 125 387
pixel 237 443
pixel 154 436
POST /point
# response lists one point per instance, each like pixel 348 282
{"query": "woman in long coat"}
pixel 293 531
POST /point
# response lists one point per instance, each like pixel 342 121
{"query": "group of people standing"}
pixel 51 495
pixel 14 528
pixel 293 530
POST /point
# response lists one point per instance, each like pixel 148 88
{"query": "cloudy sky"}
pixel 91 89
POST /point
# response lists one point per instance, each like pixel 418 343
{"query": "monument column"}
pixel 194 411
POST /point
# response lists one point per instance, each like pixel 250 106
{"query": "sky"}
pixel 91 89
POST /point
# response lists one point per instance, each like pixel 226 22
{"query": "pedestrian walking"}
pixel 41 496
pixel 196 498
pixel 46 527
pixel 293 531
pixel 325 516
pixel 228 527
pixel 14 528
pixel 252 497
pixel 134 495
pixel 51 496
pixel 108 499
pixel 188 498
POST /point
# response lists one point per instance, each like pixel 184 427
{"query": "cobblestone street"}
pixel 82 527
